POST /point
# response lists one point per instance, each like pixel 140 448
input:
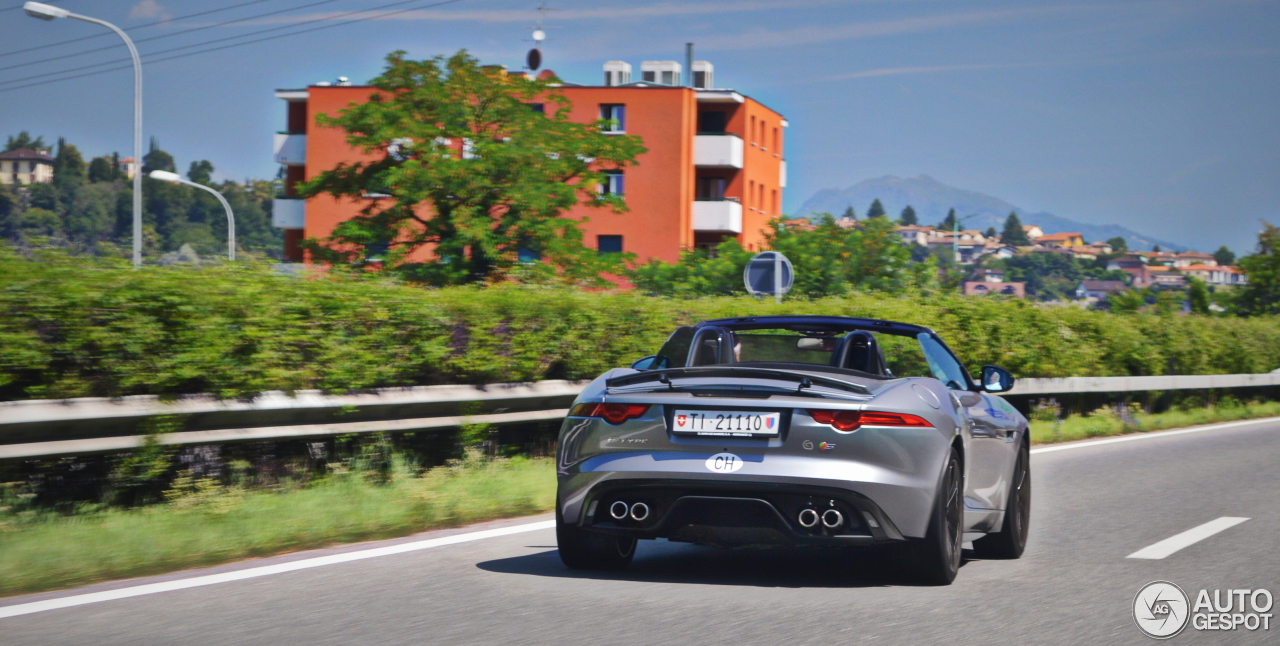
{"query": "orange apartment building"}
pixel 715 165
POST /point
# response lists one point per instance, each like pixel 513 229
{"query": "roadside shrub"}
pixel 80 327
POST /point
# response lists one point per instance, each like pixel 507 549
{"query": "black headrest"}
pixel 859 351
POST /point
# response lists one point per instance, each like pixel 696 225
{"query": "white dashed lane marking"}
pixel 1190 537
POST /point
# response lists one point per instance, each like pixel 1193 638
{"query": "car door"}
pixel 986 451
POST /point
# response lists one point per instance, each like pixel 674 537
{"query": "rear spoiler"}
pixel 665 376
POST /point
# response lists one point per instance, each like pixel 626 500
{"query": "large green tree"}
pixel 1224 256
pixel 101 169
pixel 876 210
pixel 1013 233
pixel 476 177
pixel 24 140
pixel 950 222
pixel 1118 244
pixel 1262 293
pixel 828 260
pixel 908 217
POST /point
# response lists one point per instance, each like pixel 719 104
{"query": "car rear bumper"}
pixel 744 513
pixel 879 504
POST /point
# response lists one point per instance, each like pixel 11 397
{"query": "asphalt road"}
pixel 1093 506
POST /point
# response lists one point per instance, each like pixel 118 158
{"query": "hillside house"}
pixel 26 166
pixel 1060 240
pixel 1097 290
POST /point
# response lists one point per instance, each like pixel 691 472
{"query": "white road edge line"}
pixel 1149 435
pixel 1190 537
pixel 266 570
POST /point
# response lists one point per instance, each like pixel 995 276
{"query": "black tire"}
pixel 583 550
pixel 1011 540
pixel 935 559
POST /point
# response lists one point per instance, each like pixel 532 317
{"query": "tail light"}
pixel 851 420
pixel 612 413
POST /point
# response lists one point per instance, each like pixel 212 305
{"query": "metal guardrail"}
pixel 43 428
pixel 1073 385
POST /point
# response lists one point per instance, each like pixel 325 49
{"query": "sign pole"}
pixel 777 278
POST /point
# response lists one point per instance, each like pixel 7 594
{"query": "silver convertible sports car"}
pixel 796 430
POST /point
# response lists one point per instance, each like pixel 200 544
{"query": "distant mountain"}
pixel 932 199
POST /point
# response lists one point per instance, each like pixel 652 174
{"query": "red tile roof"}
pixel 27 154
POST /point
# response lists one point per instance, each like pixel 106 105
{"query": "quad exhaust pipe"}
pixel 808 518
pixel 639 511
pixel 620 511
pixel 832 518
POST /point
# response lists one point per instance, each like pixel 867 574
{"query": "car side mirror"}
pixel 651 362
pixel 996 379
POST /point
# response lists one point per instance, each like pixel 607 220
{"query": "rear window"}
pixel 785 348
pixel 875 353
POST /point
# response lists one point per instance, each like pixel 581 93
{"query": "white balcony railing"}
pixel 717 151
pixel 288 213
pixel 782 174
pixel 722 216
pixel 290 149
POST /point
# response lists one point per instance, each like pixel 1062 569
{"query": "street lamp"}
pixel 166 176
pixel 50 12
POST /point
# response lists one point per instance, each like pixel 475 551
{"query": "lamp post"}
pixel 166 176
pixel 50 12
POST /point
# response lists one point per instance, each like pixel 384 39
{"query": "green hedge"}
pixel 74 328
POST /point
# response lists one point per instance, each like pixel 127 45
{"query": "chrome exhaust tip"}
pixel 832 518
pixel 618 510
pixel 639 511
pixel 807 518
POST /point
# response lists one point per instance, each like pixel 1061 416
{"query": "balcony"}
pixel 782 174
pixel 724 216
pixel 288 213
pixel 718 150
pixel 291 148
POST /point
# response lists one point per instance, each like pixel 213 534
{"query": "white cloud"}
pixel 149 9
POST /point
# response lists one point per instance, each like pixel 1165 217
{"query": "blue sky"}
pixel 1160 116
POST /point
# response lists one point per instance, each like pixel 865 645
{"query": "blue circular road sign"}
pixel 768 273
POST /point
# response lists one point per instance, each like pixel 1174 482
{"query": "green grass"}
pixel 1105 421
pixel 207 525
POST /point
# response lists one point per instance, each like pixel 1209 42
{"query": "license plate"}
pixel 726 423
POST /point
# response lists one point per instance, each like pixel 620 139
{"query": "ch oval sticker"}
pixel 724 463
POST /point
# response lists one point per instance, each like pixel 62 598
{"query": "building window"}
pixel 711 122
pixel 751 132
pixel 777 148
pixel 537 107
pixel 777 208
pixel 609 244
pixel 710 189
pixel 613 184
pixel 616 116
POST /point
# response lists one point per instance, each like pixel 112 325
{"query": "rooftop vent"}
pixel 703 75
pixel 660 72
pixel 617 73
